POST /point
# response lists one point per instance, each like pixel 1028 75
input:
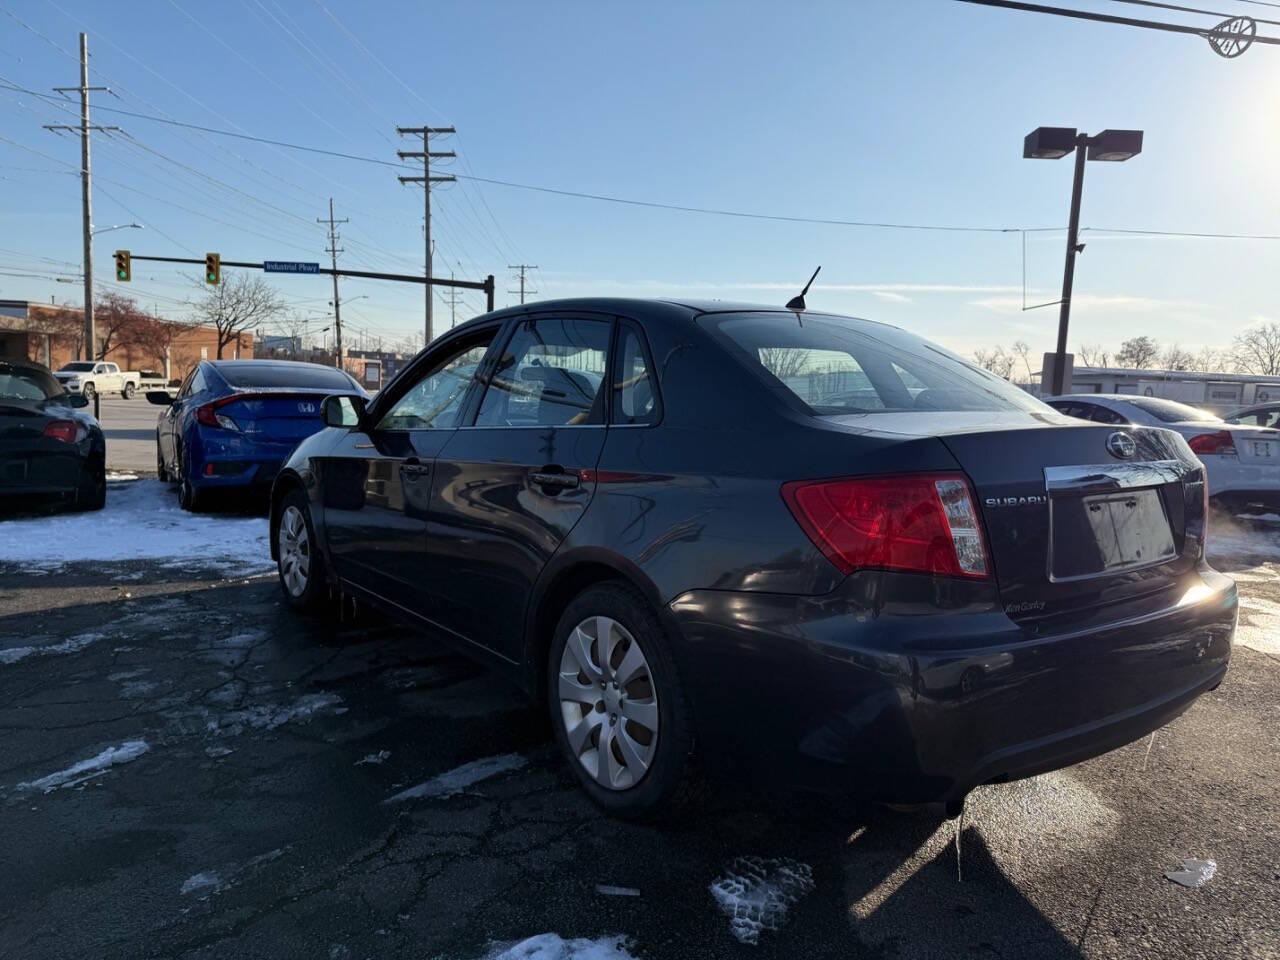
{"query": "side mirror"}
pixel 344 411
pixel 77 400
pixel 160 398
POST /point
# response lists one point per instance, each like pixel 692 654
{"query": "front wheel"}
pixel 617 705
pixel 298 560
pixel 161 472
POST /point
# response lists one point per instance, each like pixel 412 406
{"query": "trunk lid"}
pixel 284 417
pixel 1072 523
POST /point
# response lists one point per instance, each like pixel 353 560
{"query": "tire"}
pixel 88 391
pixel 659 779
pixel 91 494
pixel 128 391
pixel 299 562
pixel 161 472
pixel 189 496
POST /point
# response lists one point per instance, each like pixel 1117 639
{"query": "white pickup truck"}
pixel 88 377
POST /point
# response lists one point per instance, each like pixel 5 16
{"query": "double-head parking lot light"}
pixel 1054 143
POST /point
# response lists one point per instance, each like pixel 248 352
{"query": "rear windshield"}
pixel 259 374
pixel 839 365
pixel 77 367
pixel 1169 411
pixel 25 383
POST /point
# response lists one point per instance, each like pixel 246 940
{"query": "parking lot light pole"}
pixel 1053 143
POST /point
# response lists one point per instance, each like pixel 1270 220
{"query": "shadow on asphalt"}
pixel 260 819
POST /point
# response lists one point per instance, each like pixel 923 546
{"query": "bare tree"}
pixel 1092 355
pixel 784 362
pixel 1022 350
pixel 1210 360
pixel 237 305
pixel 67 326
pixel 995 360
pixel 1175 358
pixel 1257 349
pixel 154 336
pixel 1138 352
pixel 114 315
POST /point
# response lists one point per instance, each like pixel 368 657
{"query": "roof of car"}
pixel 644 306
pixel 22 362
pixel 258 364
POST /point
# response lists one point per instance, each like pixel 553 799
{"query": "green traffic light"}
pixel 121 275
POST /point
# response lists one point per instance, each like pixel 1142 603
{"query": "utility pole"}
pixel 426 155
pixel 522 267
pixel 453 303
pixel 85 193
pixel 334 250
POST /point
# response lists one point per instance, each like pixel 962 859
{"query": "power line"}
pixel 1181 9
pixel 1208 34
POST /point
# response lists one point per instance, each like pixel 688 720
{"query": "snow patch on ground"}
pixel 269 717
pixel 207 883
pixel 1259 624
pixel 141 521
pixel 382 756
pixel 88 769
pixel 756 893
pixel 1229 540
pixel 552 946
pixel 455 781
pixel 70 645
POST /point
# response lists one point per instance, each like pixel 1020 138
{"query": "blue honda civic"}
pixel 234 422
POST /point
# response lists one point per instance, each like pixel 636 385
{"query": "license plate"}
pixel 1098 534
pixel 1261 449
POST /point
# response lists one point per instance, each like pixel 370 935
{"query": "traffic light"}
pixel 212 268
pixel 124 272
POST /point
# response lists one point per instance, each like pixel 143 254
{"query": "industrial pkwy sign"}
pixel 289 266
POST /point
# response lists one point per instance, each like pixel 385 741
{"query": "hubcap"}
pixel 295 551
pixel 608 703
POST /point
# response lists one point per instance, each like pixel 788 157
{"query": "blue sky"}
pixel 910 111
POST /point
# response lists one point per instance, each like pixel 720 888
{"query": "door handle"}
pixel 555 481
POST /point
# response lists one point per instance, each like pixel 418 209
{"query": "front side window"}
pixel 550 374
pixel 635 393
pixel 434 401
pixel 839 365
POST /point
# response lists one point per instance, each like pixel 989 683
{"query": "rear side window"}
pixel 1170 411
pixel 25 383
pixel 635 392
pixel 256 373
pixel 1258 418
pixel 839 365
pixel 550 374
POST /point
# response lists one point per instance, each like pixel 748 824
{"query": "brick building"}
pixel 53 336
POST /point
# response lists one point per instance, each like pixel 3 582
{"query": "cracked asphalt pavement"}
pixel 190 770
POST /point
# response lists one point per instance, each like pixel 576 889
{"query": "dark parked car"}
pixel 48 445
pixel 234 422
pixel 706 563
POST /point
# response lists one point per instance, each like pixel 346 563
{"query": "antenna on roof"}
pixel 797 303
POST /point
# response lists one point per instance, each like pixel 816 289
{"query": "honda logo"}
pixel 306 408
pixel 1121 445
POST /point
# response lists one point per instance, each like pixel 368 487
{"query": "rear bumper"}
pixel 41 466
pixel 824 693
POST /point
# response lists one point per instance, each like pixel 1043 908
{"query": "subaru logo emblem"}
pixel 1121 445
pixel 311 408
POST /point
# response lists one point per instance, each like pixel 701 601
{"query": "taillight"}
pixel 1219 443
pixel 921 522
pixel 208 415
pixel 68 431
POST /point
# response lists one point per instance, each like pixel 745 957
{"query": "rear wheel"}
pixel 189 496
pixel 91 494
pixel 129 391
pixel 617 705
pixel 88 391
pixel 299 562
